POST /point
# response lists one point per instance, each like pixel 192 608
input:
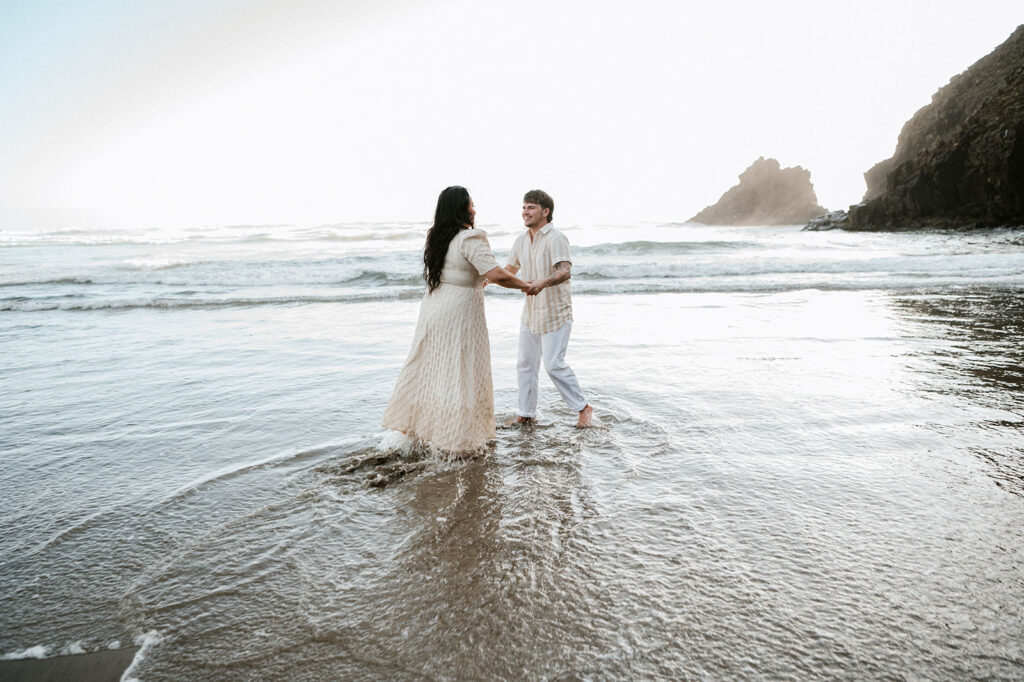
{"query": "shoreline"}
pixel 98 666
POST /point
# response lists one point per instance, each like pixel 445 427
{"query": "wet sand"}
pixel 101 666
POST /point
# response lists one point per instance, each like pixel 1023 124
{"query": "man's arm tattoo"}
pixel 563 271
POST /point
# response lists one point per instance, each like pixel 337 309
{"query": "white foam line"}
pixel 38 651
pixel 145 643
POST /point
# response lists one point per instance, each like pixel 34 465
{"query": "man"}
pixel 542 253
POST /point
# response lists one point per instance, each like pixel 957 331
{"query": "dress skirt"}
pixel 445 395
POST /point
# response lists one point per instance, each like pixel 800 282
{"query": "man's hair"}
pixel 542 199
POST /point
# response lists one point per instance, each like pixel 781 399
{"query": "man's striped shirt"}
pixel 551 308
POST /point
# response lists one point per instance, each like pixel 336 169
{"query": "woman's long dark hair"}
pixel 450 216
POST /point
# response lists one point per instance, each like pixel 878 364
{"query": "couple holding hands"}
pixel 444 396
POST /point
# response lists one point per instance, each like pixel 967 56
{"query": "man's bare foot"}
pixel 586 415
pixel 519 420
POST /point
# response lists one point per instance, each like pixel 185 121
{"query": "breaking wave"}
pixel 22 304
pixel 313 269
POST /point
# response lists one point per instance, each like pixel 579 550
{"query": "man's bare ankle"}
pixel 586 414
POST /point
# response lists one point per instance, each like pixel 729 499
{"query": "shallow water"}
pixel 808 462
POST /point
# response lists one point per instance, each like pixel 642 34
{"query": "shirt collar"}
pixel 546 228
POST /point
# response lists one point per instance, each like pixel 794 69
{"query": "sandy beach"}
pixel 100 666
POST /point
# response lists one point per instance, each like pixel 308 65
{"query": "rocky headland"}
pixel 767 195
pixel 959 161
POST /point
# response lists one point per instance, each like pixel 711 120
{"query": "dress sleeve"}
pixel 477 251
pixel 559 250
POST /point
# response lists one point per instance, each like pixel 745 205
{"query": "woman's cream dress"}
pixel 444 395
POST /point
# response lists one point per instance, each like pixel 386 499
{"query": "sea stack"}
pixel 767 195
pixel 959 161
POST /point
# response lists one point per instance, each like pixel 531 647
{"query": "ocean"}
pixel 807 459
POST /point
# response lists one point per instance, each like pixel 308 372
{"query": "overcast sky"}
pixel 315 111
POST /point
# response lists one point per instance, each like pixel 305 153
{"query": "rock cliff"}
pixel 959 161
pixel 766 195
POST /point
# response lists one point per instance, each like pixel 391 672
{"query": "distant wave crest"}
pixel 22 304
pixel 654 248
pixel 187 275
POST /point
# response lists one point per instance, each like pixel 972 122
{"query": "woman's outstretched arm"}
pixel 503 277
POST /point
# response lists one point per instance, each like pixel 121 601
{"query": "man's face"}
pixel 534 215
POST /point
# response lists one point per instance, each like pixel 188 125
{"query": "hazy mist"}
pixel 314 111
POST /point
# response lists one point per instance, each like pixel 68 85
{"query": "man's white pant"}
pixel 551 347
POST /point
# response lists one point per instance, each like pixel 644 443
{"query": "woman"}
pixel 444 396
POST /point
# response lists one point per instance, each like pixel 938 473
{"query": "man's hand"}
pixel 535 288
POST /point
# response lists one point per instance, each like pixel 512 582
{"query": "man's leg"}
pixel 554 346
pixel 527 371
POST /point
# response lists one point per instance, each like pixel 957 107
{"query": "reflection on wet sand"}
pixel 474 569
pixel 642 549
pixel 974 353
pixel 490 578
